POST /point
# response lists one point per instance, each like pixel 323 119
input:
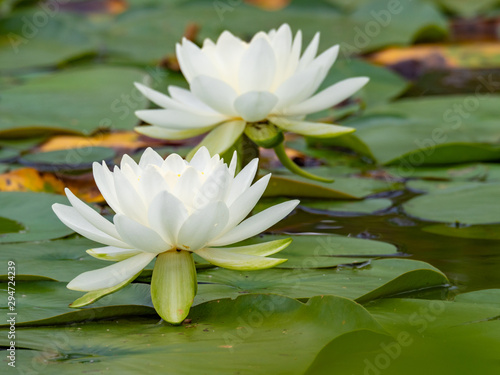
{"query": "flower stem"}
pixel 291 166
pixel 174 285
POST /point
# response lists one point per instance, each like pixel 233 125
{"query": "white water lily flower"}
pixel 234 84
pixel 169 209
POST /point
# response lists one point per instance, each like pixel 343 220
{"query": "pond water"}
pixel 470 264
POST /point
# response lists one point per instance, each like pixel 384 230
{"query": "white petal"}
pixel 310 53
pixel 202 226
pixel 152 183
pixel 229 50
pixel 312 129
pixel 244 204
pixel 158 98
pixel 131 166
pixel 257 67
pixel 91 215
pixel 150 157
pixel 324 62
pixel 187 98
pixel 328 97
pixel 193 62
pixel 215 93
pixel 233 164
pixel 255 105
pixel 187 183
pixel 235 261
pixel 178 120
pixel 140 236
pixel 131 202
pixel 172 134
pixel 296 88
pixel 242 181
pixel 200 159
pixel 166 216
pixel 282 45
pixel 214 188
pixel 174 163
pixel 72 219
pixel 112 253
pixel 256 224
pixel 111 275
pixel 106 185
pixel 293 60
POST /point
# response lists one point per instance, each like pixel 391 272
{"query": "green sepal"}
pixel 264 134
pixel 95 295
pixel 174 285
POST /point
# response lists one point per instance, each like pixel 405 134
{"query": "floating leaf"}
pixel 61 102
pixel 33 211
pixel 47 302
pixel 343 187
pixel 222 336
pixel 71 159
pixel 469 204
pixel 422 131
pixel 382 278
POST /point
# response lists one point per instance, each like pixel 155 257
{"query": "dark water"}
pixel 470 264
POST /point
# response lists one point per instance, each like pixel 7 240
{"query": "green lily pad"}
pixel 426 186
pixel 73 101
pixel 34 213
pixel 367 206
pixel 469 205
pixel 47 302
pixel 142 34
pixel 459 172
pixel 382 278
pixel 7 154
pixel 60 260
pixel 71 159
pixel 423 131
pixel 439 331
pixel 485 232
pixel 342 188
pixel 223 336
pixel 41 37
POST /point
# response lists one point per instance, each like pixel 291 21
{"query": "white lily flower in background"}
pixel 169 209
pixel 234 84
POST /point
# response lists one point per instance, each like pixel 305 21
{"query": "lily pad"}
pixel 466 205
pixel 427 186
pixel 143 35
pixel 424 131
pixel 485 232
pixel 367 206
pixel 46 303
pixel 71 159
pixel 459 172
pixel 41 37
pixel 440 331
pixel 73 101
pixel 33 211
pixel 60 260
pixel 381 278
pixel 222 336
pixel 342 188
